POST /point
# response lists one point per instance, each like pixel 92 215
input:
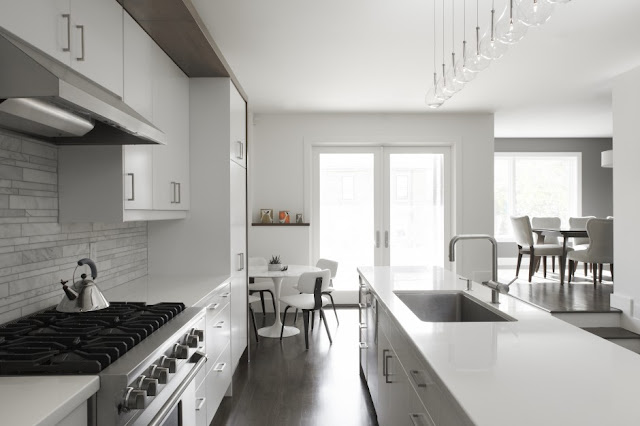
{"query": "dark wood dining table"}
pixel 565 234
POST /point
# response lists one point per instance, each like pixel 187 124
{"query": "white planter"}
pixel 274 266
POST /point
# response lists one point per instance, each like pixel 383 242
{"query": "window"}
pixel 536 184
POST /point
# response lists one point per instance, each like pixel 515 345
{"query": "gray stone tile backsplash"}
pixel 35 250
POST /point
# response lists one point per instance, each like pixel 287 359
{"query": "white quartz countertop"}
pixel 35 400
pixel 538 370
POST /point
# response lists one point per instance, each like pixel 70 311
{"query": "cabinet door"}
pixel 44 24
pixel 238 136
pixel 363 336
pixel 138 68
pixel 238 238
pixel 138 177
pixel 171 115
pixel 371 352
pixel 96 42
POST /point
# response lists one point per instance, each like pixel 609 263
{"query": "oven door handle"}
pixel 175 397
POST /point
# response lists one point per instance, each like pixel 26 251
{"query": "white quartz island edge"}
pixel 538 370
pixel 43 401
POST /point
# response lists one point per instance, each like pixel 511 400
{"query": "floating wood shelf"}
pixel 279 224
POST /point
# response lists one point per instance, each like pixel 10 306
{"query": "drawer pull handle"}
pixel 219 367
pixel 416 376
pixel 213 306
pixel 364 345
pixel 363 325
pixel 420 419
pixel 225 294
pixel 199 406
pixel 219 324
pixel 362 306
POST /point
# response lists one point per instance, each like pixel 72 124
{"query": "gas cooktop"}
pixel 52 342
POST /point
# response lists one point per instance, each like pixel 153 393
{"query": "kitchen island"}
pixel 537 370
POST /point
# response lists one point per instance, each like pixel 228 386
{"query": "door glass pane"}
pixel 347 214
pixel 416 209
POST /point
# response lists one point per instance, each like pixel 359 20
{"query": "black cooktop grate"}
pixel 52 342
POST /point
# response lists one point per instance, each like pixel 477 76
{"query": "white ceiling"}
pixel 376 56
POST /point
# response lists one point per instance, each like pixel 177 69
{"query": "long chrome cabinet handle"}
pixel 377 239
pixel 386 376
pixel 68 18
pixel 179 193
pixel 240 261
pixel 384 362
pixel 240 153
pixel 173 192
pixel 133 187
pixel 386 239
pixel 81 28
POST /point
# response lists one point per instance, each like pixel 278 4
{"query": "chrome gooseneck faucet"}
pixel 493 283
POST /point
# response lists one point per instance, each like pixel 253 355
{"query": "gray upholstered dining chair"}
pixel 548 223
pixel 600 250
pixel 524 238
pixel 580 243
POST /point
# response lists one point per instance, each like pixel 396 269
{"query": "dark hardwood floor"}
pixel 284 384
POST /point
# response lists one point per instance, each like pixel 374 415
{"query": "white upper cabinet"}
pixel 46 24
pixel 84 34
pixel 96 42
pixel 138 68
pixel 238 136
pixel 138 177
pixel 171 115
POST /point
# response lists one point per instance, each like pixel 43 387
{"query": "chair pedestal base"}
pixel 273 331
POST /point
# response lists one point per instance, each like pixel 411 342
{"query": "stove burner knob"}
pixel 148 384
pixel 134 399
pixel 170 363
pixel 159 373
pixel 180 351
pixel 192 341
pixel 199 333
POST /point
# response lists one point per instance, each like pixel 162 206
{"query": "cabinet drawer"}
pixel 218 333
pixel 218 381
pixel 201 405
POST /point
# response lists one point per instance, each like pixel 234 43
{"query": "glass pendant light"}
pixel 510 28
pixel 461 72
pixel 535 12
pixel 433 98
pixel 475 61
pixel 490 47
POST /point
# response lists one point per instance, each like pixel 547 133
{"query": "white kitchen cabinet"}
pixel 238 134
pixel 171 179
pixel 139 70
pixel 201 405
pixel 78 417
pixel 45 24
pixel 138 177
pixel 218 381
pixel 238 248
pixel 96 42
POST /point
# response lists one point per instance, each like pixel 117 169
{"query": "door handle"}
pixel 240 261
pixel 240 153
pixel 68 18
pixel 133 187
pixel 377 239
pixel 81 28
pixel 386 239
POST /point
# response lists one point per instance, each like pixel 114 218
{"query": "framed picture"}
pixel 284 216
pixel 299 218
pixel 266 215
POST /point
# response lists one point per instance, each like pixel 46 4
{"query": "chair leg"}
pixel 518 264
pixel 253 321
pixel 611 269
pixel 595 273
pixel 264 312
pixel 585 269
pixel 295 317
pixel 570 269
pixel 553 264
pixel 326 326
pixel 600 268
pixel 273 299
pixel 532 265
pixel 313 319
pixel 284 318
pixel 305 319
pixel 334 307
pixel 544 266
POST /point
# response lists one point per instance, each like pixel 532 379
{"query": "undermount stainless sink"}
pixel 450 306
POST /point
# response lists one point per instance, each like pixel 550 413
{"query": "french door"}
pixel 380 206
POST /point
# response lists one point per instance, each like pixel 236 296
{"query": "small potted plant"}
pixel 275 264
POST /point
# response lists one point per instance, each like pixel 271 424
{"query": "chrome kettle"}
pixel 83 295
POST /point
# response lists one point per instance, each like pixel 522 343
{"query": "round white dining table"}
pixel 293 271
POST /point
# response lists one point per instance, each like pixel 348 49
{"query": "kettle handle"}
pixel 87 261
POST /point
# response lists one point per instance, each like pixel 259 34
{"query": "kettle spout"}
pixel 71 295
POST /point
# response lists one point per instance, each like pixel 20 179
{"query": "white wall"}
pixel 277 171
pixel 626 204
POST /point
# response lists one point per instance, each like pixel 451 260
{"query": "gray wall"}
pixel 597 181
pixel 35 250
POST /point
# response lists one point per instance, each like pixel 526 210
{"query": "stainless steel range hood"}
pixel 40 96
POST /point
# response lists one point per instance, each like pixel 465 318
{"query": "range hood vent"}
pixel 40 96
